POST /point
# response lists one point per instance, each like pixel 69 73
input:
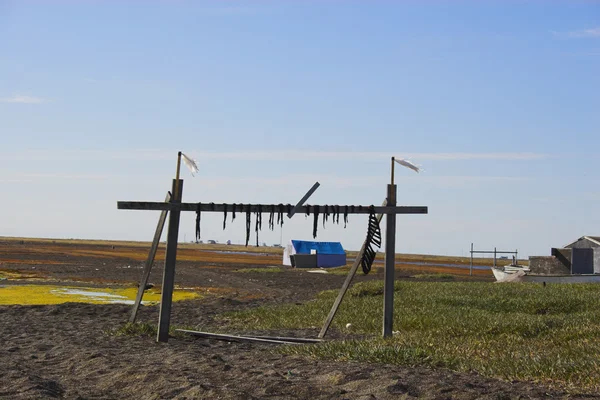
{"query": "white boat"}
pixel 521 273
pixel 509 273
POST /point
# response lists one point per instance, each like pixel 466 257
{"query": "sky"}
pixel 497 101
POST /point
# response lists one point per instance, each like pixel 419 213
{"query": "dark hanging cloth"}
pixel 272 218
pixel 248 223
pixel 224 215
pixel 345 216
pixel 258 223
pixel 315 221
pixel 233 213
pixel 325 215
pixel 198 210
pixel 373 239
pixel 280 214
pixel 336 214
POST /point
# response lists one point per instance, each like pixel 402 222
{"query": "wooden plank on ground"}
pixel 229 338
pixel 290 339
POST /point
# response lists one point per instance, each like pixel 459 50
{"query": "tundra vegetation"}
pixel 517 331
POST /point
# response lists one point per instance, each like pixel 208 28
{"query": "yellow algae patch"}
pixel 4 274
pixel 50 294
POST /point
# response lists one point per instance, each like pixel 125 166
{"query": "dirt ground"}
pixel 64 351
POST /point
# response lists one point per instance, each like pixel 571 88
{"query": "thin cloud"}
pixel 66 176
pixel 586 33
pixel 22 99
pixel 351 182
pixel 294 180
pixel 349 155
pixel 274 155
pixel 582 33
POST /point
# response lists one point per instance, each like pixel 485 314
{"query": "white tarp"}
pixel 288 251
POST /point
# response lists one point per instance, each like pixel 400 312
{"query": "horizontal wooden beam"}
pixel 265 208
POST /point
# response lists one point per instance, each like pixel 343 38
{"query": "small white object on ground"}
pixel 348 325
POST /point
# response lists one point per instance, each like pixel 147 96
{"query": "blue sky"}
pixel 497 100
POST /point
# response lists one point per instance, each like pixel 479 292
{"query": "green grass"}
pixel 344 270
pixel 134 329
pixel 448 277
pixel 510 331
pixel 260 270
pixel 338 271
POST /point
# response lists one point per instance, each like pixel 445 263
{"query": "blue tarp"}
pixel 330 260
pixel 304 247
pixel 329 254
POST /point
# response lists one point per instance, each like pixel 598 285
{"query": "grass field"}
pixel 143 247
pixel 512 331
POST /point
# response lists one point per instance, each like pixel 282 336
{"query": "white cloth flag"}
pixel 407 164
pixel 191 164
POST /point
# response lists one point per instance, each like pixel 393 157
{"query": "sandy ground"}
pixel 64 351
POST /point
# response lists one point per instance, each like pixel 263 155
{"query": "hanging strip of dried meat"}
pixel 280 214
pixel 248 223
pixel 373 239
pixel 345 216
pixel 233 213
pixel 315 221
pixel 198 211
pixel 272 218
pixel 224 216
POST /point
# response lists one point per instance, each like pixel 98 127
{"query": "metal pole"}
pixel 494 257
pixel 471 265
pixel 393 160
pixel 390 264
pixel 164 317
pixel 176 188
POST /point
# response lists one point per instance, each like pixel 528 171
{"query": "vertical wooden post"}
pixel 494 257
pixel 149 262
pixel 164 318
pixel 471 265
pixel 390 265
